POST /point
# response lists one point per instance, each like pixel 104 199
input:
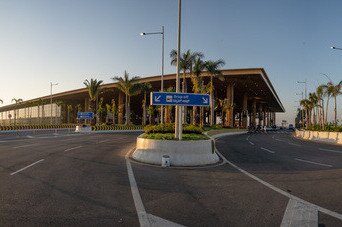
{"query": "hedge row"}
pixel 327 128
pixel 116 127
pixel 26 127
pixel 170 128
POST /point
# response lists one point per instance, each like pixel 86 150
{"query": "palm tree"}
pixel 151 111
pixel 314 102
pixel 114 110
pixel 305 103
pixel 145 88
pixel 94 90
pixel 197 82
pixel 328 90
pixel 336 91
pixel 130 87
pixel 186 64
pixel 320 94
pixel 213 70
pixel 17 101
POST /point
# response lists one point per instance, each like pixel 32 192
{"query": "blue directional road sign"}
pixel 180 99
pixel 85 115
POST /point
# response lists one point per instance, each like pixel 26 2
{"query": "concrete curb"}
pixel 226 134
pixel 320 136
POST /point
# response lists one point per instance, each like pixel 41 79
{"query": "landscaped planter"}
pixel 181 153
pixel 331 137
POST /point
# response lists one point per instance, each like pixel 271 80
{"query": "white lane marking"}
pixel 157 221
pixel 294 144
pixel 321 209
pixel 27 167
pixel 139 206
pixel 280 140
pixel 316 163
pixel 73 148
pixel 27 145
pixel 249 141
pixel 299 214
pixel 145 219
pixel 265 149
pixel 322 149
pixel 103 141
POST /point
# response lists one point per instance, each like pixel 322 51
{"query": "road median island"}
pixel 195 149
pixel 320 136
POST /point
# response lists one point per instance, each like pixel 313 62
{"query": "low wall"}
pixel 330 137
pixel 182 153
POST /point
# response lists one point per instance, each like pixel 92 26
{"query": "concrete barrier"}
pixel 181 153
pixel 329 137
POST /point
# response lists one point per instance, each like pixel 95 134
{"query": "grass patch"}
pixel 171 136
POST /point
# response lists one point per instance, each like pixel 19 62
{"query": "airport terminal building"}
pixel 249 94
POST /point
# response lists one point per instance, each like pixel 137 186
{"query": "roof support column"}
pixel 264 118
pixel 244 110
pixel 254 113
pixel 230 105
pixel 260 117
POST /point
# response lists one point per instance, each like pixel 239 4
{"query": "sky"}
pixel 68 41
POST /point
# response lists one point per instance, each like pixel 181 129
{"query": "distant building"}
pixel 248 93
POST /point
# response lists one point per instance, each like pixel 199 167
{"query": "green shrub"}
pixel 170 128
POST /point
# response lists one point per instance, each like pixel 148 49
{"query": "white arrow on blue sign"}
pixel 180 99
pixel 85 115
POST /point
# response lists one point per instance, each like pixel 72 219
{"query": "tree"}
pixel 320 94
pixel 336 91
pixel 129 87
pixel 145 88
pixel 305 103
pixel 197 82
pixel 151 111
pixel 213 70
pixel 328 90
pixel 313 103
pixel 186 62
pixel 2 102
pixel 94 90
pixel 17 102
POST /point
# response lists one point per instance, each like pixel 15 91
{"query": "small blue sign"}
pixel 85 115
pixel 180 99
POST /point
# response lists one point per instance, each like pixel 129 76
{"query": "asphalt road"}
pixel 84 180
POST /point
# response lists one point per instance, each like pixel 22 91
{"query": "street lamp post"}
pixel 162 66
pixel 304 82
pixel 51 85
pixel 301 110
pixel 178 120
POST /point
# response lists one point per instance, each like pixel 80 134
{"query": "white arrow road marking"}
pixel 26 167
pixel 298 213
pixel 157 99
